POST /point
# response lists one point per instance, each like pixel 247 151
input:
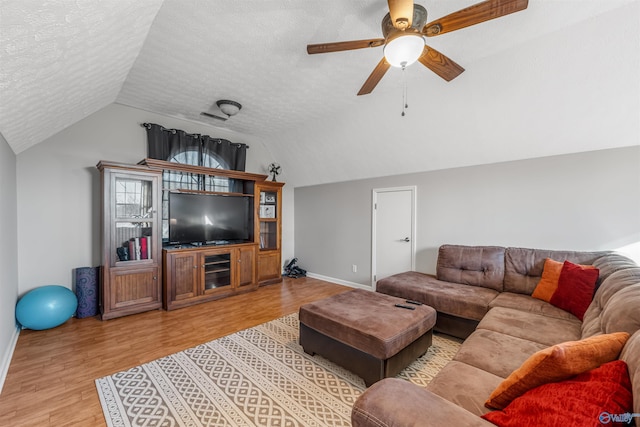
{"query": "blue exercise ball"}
pixel 46 307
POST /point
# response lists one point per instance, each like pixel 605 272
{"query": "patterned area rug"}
pixel 256 377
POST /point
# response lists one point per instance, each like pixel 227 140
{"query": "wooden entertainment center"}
pixel 141 271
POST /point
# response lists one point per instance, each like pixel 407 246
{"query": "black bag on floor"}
pixel 292 270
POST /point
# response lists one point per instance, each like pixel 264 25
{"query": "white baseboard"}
pixel 339 281
pixel 8 354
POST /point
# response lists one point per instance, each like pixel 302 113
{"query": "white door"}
pixel 393 231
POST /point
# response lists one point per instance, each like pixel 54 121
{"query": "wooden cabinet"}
pixel 269 231
pixel 197 274
pixel 131 274
pixel 138 274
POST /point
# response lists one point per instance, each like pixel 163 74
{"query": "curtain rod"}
pixel 195 135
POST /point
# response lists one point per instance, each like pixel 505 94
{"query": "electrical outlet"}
pixel 354 268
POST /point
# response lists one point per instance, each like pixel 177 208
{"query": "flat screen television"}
pixel 209 218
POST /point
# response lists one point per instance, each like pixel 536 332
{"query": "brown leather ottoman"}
pixel 366 333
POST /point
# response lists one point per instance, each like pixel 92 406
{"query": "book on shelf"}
pixel 132 249
pixel 143 248
pixel 139 248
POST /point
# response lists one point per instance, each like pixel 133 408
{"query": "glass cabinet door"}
pixel 133 219
pixel 216 271
pixel 268 220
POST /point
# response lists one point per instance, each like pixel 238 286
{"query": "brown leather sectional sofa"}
pixel 483 294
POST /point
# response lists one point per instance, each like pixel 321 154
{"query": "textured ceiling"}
pixel 63 60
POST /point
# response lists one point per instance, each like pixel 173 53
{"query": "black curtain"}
pixel 235 155
pixel 194 149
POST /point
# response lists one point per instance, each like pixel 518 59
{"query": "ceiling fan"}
pixel 404 29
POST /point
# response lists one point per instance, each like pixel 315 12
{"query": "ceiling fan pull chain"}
pixel 404 91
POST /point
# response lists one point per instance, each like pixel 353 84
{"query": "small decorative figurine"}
pixel 274 170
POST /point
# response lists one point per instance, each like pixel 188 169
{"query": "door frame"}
pixel 374 201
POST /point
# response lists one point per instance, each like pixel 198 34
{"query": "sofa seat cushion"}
pixel 496 352
pixel 531 326
pixel 395 402
pixel 464 385
pixel 470 302
pixel 531 305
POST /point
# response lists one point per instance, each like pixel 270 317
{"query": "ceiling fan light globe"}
pixel 404 50
pixel 230 108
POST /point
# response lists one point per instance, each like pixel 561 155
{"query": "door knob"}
pixel 406 239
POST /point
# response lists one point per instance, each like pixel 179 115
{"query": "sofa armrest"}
pixel 395 402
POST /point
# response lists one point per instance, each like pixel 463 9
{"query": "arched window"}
pixel 194 149
pixel 190 181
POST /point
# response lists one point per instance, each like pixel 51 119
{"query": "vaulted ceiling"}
pixel 536 82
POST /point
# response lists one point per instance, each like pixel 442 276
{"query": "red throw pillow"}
pixel 576 286
pixel 588 399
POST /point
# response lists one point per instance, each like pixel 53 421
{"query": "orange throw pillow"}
pixel 549 281
pixel 557 363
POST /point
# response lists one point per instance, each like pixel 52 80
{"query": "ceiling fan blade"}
pixel 374 77
pixel 472 15
pixel 440 64
pixel 401 12
pixel 340 46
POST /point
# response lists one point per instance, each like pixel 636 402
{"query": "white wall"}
pixel 59 193
pixel 585 201
pixel 8 257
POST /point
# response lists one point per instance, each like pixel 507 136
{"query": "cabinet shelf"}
pixel 216 262
pixel 215 286
pixel 215 193
pixel 219 270
pixel 134 262
pixel 180 167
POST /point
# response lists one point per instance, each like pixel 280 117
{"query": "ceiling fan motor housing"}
pixel 419 21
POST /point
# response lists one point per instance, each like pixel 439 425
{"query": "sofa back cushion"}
pixel 523 267
pixel 631 355
pixel 614 307
pixel 610 263
pixel 471 265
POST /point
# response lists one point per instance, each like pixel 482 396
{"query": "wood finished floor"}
pixel 51 377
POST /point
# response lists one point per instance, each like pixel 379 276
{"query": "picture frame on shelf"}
pixel 267 211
